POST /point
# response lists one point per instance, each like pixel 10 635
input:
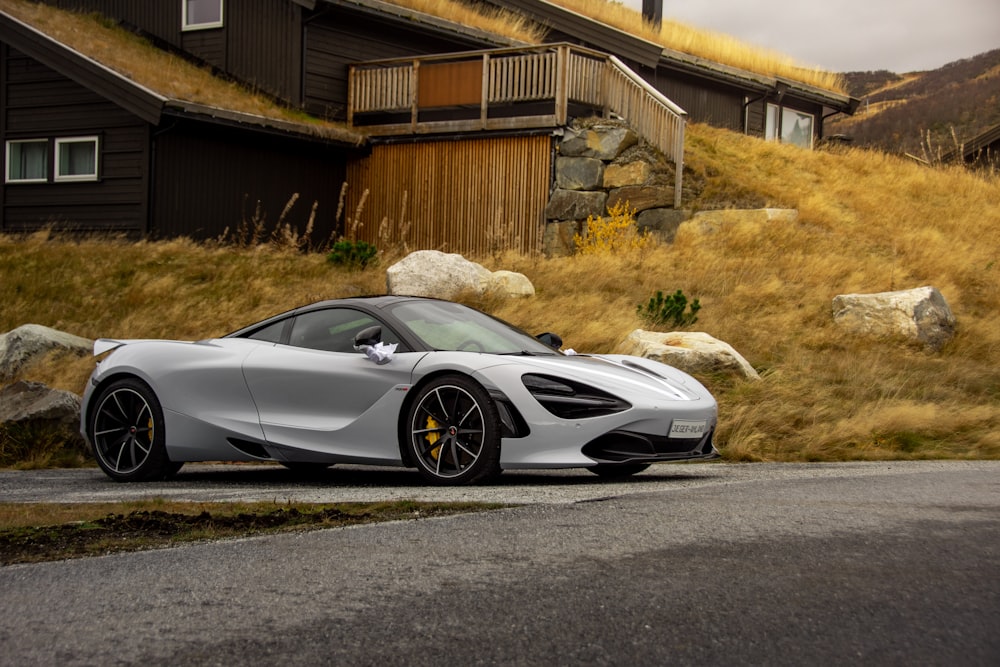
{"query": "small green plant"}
pixel 669 310
pixel 352 253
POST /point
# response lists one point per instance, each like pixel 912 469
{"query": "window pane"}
pixel 199 12
pixel 334 329
pixel 27 160
pixel 796 128
pixel 771 123
pixel 76 159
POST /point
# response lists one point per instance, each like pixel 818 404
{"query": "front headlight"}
pixel 571 400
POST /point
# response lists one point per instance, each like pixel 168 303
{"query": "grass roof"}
pixel 166 74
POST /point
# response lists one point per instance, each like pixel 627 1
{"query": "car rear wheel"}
pixel 613 470
pixel 454 432
pixel 126 429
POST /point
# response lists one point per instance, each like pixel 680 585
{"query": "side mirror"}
pixel 368 336
pixel 550 339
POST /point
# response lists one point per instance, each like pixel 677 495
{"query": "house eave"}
pixel 592 32
pixel 304 131
pixel 756 83
pixel 134 97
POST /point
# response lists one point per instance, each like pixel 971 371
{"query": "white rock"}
pixel 511 284
pixel 436 274
pixel 919 315
pixel 20 346
pixel 691 351
pixel 445 276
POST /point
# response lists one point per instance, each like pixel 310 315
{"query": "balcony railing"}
pixel 510 89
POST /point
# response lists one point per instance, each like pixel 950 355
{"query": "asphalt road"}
pixel 708 564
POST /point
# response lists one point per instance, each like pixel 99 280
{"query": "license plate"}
pixel 688 428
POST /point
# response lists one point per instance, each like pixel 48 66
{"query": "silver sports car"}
pixel 388 380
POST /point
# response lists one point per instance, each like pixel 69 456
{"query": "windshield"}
pixel 443 325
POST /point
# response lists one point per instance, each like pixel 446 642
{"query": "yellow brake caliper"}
pixel 432 437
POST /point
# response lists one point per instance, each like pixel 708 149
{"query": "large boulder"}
pixel 602 141
pixel 642 197
pixel 579 173
pixel 693 352
pixel 635 172
pixel 920 315
pixel 446 275
pixel 33 404
pixel 20 346
pixel 575 205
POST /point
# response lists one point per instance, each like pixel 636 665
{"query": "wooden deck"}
pixel 510 89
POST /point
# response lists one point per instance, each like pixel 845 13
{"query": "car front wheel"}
pixel 126 429
pixel 454 432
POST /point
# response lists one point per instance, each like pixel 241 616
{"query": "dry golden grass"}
pixel 153 68
pixel 868 223
pixel 714 46
pixel 484 17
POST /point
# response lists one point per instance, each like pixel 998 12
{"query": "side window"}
pixel 333 329
pixel 28 161
pixel 200 14
pixel 76 159
pixel 271 333
pixel 788 126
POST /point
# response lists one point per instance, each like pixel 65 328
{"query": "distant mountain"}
pixel 925 114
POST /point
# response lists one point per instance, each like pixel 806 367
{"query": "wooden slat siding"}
pixel 586 79
pixel 522 78
pixel 259 42
pixel 210 178
pixel 579 75
pixel 264 45
pixel 719 106
pixel 337 36
pixel 51 54
pixel 459 193
pixel 157 17
pixel 117 202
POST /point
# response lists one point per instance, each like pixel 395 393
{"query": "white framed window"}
pixel 27 161
pixel 201 14
pixel 788 126
pixel 771 123
pixel 76 159
pixel 796 128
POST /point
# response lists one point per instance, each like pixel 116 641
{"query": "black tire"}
pixel 617 470
pixel 126 429
pixel 453 432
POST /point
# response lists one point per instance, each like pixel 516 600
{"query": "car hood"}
pixel 617 373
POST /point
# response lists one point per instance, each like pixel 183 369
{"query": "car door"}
pixel 317 394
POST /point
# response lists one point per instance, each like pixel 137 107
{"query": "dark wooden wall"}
pixel 705 102
pixel 207 179
pixel 338 37
pixel 260 42
pixel 38 103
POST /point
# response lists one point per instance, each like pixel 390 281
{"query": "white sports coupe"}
pixel 388 380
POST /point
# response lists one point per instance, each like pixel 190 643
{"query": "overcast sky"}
pixel 852 35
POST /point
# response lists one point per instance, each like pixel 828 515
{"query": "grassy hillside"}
pixel 868 223
pixel 925 114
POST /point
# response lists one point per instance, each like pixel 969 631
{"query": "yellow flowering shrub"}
pixel 614 233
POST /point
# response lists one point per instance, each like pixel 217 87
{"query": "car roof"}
pixel 377 302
